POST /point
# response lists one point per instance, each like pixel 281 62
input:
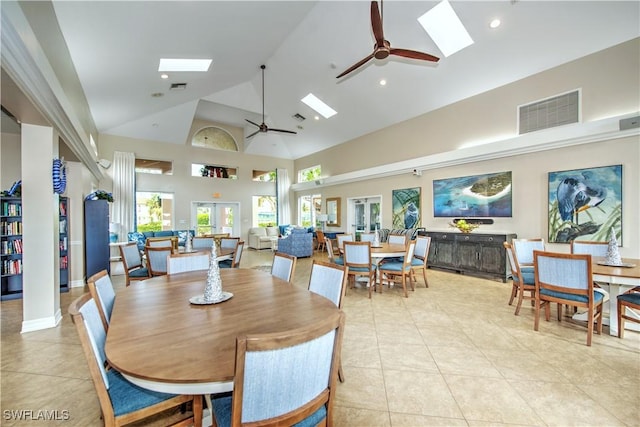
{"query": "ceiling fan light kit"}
pixel 382 47
pixel 262 127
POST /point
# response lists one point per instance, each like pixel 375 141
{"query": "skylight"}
pixel 312 101
pixel 445 28
pixel 175 64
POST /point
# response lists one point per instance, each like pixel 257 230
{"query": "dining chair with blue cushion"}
pixel 283 266
pixel 237 257
pixel 399 268
pixel 121 401
pixel 596 249
pixel 630 300
pixel 420 256
pixel 524 251
pixel 132 263
pixel 523 281
pixel 331 254
pixel 101 290
pixel 357 256
pixel 180 263
pixel 157 259
pixel 201 242
pixel 367 237
pixel 566 279
pixel 287 380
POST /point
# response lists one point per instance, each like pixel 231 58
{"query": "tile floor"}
pixel 450 355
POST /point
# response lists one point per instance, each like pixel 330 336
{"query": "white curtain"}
pixel 124 187
pixel 282 195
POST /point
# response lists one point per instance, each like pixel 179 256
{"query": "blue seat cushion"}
pixel 338 260
pixel 394 266
pixel 362 269
pixel 527 277
pixel 597 296
pixel 415 262
pixel 633 297
pixel 127 397
pixel 222 412
pixel 225 263
pixel 139 272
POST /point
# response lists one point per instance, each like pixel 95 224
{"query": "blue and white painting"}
pixel 406 208
pixel 481 196
pixel 585 204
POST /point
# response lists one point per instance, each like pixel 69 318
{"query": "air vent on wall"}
pixel 178 86
pixel 550 112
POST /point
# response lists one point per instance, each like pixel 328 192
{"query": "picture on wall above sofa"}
pixel 585 204
pixel 482 196
pixel 406 207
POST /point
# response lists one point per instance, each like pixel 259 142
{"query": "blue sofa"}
pixel 141 238
pixel 299 243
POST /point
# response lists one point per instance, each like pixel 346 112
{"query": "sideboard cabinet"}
pixel 475 254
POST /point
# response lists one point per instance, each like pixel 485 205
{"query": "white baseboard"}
pixel 42 323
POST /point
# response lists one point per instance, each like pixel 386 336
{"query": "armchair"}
pixel 299 243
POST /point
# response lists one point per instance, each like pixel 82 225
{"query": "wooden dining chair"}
pixel 285 379
pixel 628 300
pixel 101 290
pixel 179 263
pixel 157 259
pixel 121 402
pixel 237 257
pixel 524 251
pixel 420 256
pixel 566 279
pixel 367 237
pixel 331 254
pixel 522 281
pixel 132 263
pixel 596 249
pixel 390 270
pixel 397 239
pixel 161 242
pixel 341 238
pixel 284 266
pixel 229 242
pixel 357 256
pixel 330 281
pixel 320 240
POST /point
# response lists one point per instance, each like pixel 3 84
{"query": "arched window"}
pixel 214 137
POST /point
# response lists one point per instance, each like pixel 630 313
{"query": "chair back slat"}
pixel 157 259
pixel 422 247
pixel 283 266
pixel 237 255
pixel 131 255
pixel 328 280
pixel 367 237
pixel 101 290
pixel 330 253
pixel 200 242
pixel 357 254
pixel 341 238
pixel 598 249
pixel 229 242
pixel 570 273
pixel 397 239
pixel 524 249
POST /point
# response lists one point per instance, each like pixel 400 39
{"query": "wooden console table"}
pixel 475 254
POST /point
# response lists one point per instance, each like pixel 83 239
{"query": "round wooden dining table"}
pixel 160 341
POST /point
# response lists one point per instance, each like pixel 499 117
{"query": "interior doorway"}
pixel 214 218
pixel 364 214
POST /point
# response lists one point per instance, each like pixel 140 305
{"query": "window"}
pixel 214 171
pixel 308 210
pixel 154 211
pixel 264 210
pixel 309 174
pixel 157 167
pixel 264 176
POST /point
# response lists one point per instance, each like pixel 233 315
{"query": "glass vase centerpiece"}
pixel 376 238
pixel 213 292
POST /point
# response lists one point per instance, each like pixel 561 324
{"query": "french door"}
pixel 214 218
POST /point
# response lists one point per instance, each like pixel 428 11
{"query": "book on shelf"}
pixel 63 209
pixel 12 266
pixel 63 226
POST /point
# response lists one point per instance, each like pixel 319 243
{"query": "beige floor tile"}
pixel 463 361
pixel 405 420
pixel 411 357
pixel 621 401
pixel 355 417
pixel 492 400
pixel 363 388
pixel 524 365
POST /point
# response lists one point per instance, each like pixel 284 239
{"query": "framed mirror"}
pixel 333 211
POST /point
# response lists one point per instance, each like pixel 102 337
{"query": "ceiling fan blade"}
pixel 249 136
pixel 283 130
pixel 253 123
pixel 376 23
pixel 413 54
pixel 353 67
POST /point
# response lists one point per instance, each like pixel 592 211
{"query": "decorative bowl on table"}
pixel 464 226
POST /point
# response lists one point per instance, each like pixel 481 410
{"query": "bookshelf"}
pixel 11 247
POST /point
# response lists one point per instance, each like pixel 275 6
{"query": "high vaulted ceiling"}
pixel 116 46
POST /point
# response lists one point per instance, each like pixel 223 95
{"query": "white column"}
pixel 41 257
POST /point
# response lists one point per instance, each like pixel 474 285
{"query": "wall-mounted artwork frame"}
pixel 406 208
pixel 585 204
pixel 482 196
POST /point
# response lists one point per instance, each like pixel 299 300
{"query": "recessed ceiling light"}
pixel 164 76
pixel 172 64
pixel 316 117
pixel 445 28
pixel 312 101
pixel 495 23
pixel 383 82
